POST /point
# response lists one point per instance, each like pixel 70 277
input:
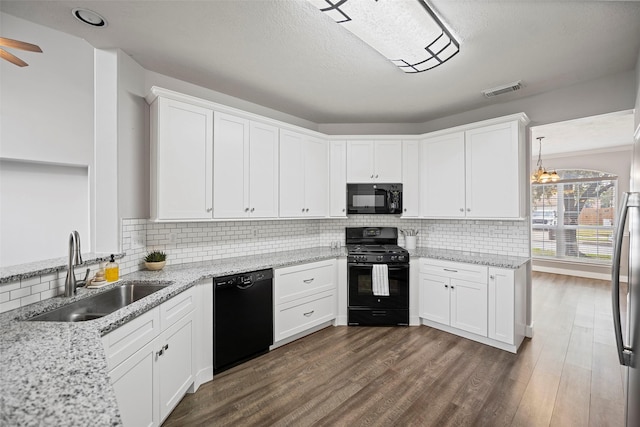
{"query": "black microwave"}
pixel 374 198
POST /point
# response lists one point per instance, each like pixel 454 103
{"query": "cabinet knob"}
pixel 307 210
pixel 461 209
pixel 468 209
pixel 405 209
pixel 209 209
pixel 253 209
pixel 371 175
pixel 452 287
pixel 246 209
pixel 343 210
pixel 492 277
pixel 302 209
pixel 446 286
pixel 376 175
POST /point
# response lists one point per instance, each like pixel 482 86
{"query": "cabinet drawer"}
pixel 292 283
pixel 300 315
pixel 123 342
pixel 176 308
pixel 455 270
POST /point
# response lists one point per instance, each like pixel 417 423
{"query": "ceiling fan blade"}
pixel 12 58
pixel 17 44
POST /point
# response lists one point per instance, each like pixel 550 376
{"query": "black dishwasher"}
pixel 242 317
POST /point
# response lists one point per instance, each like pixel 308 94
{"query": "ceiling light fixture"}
pixel 16 44
pixel 89 17
pixel 408 33
pixel 541 176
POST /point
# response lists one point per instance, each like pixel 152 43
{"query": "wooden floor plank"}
pixel 567 375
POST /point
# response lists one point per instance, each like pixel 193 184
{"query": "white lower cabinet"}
pixel 485 304
pixel 455 295
pixel 507 307
pixel 151 361
pixel 304 297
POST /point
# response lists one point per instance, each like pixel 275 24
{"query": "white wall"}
pixel 637 113
pixel 156 79
pixel 47 107
pixel 47 129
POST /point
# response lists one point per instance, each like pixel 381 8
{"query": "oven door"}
pixel 361 292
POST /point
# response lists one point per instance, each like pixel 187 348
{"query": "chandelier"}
pixel 541 176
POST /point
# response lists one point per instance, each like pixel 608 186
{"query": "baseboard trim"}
pixel 575 273
pixel 528 331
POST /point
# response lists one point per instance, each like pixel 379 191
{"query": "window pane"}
pixel 574 218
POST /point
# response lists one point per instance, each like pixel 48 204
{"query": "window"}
pixel 573 218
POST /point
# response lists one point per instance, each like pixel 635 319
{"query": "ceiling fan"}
pixel 17 44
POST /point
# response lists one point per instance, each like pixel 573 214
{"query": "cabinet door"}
pixel 175 364
pixel 230 166
pixel 388 161
pixel 493 183
pixel 442 187
pixel 469 306
pixel 360 161
pixel 182 167
pixel 135 385
pixel 338 178
pixel 434 298
pixel 410 178
pixel 263 171
pixel 501 305
pixel 291 174
pixel 316 177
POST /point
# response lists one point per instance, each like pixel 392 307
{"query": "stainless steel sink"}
pixel 99 305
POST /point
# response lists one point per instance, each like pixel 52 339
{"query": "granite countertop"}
pixel 491 260
pixel 56 373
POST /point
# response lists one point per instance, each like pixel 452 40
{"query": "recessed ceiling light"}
pixel 89 17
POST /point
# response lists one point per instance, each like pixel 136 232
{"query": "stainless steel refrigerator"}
pixel 627 331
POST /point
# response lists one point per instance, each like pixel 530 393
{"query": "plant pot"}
pixel 155 265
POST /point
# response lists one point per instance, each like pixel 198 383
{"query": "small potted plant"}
pixel 155 260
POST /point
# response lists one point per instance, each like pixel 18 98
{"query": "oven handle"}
pixel 390 266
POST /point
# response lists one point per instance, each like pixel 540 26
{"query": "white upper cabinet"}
pixel 245 168
pixel 338 178
pixel 181 160
pixel 475 173
pixel 303 175
pixel 374 161
pixel 410 178
pixel 493 172
pixel 442 176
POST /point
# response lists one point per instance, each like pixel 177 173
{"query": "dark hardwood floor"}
pixel 567 375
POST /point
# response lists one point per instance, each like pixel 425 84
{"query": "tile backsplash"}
pixel 202 241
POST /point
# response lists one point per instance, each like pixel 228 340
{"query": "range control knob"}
pixel 379 257
pixel 394 257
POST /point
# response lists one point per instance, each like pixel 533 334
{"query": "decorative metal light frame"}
pixel 408 33
pixel 541 176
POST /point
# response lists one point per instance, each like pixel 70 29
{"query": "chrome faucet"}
pixel 75 258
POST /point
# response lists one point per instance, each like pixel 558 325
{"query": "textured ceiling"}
pixel 286 55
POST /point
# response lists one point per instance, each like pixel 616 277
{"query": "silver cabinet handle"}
pixel 453 271
pixel 628 200
pixel 309 280
pixel 162 350
pixel 309 313
pixel 209 209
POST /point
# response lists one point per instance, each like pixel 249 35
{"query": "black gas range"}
pixel 378 277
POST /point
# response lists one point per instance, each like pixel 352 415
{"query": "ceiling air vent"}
pixel 495 91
